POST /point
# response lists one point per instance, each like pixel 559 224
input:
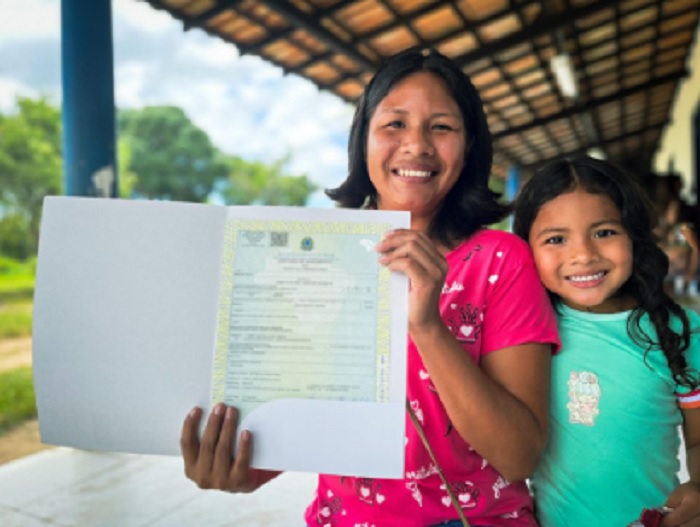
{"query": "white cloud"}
pixel 246 105
pixel 10 89
pixel 141 15
pixel 28 19
pixel 212 52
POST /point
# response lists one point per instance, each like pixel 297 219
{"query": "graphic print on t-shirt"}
pixel 465 322
pixel 584 397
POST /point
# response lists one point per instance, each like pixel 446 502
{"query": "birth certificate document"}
pixel 304 312
pixel 283 312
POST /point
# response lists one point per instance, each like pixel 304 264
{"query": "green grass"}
pixel 16 279
pixel 15 320
pixel 16 289
pixel 16 292
pixel 16 386
pixel 16 397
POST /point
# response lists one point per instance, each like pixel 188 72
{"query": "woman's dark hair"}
pixel 649 262
pixel 470 204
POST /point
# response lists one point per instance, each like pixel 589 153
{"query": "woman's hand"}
pixel 415 255
pixel 209 462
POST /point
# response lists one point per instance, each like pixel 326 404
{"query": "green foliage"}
pixel 255 182
pixel 170 156
pixel 499 185
pixel 127 178
pixel 16 236
pixel 30 168
pixel 17 403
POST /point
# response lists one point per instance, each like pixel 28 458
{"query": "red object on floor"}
pixel 651 518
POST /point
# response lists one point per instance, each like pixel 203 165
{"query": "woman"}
pixel 481 329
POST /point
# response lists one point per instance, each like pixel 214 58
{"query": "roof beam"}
pixel 220 7
pixel 544 24
pixel 593 103
pixel 604 142
pixel 297 17
pixel 284 33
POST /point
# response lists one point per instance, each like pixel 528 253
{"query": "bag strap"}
pixel 453 498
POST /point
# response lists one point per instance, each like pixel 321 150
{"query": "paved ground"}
pixel 63 487
pixel 20 442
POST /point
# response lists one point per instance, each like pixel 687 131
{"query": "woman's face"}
pixel 416 147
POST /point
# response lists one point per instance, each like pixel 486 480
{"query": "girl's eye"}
pixel 442 126
pixel 554 240
pixel 605 233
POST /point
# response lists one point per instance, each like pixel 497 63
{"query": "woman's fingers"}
pixel 415 255
pixel 210 439
pixel 189 440
pixel 224 448
pixel 240 471
pixel 405 250
pixel 210 462
pixel 399 237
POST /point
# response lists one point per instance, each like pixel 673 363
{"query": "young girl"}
pixel 626 377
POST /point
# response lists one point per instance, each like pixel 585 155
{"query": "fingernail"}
pixel 193 412
pixel 245 435
pixel 218 409
pixel 229 413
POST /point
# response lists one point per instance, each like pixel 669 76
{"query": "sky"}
pixel 247 106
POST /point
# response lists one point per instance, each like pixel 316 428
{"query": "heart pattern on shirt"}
pixel 466 330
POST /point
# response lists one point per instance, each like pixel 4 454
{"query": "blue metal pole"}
pixel 88 98
pixel 512 187
pixel 512 182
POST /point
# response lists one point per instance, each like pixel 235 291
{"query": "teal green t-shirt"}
pixel 613 447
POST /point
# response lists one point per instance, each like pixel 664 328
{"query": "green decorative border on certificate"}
pixel 383 328
pixel 218 380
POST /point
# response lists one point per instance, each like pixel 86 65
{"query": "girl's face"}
pixel 582 252
pixel 416 146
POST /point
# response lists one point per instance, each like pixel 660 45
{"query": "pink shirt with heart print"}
pixel 492 299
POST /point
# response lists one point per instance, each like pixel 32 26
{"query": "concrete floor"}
pixel 63 487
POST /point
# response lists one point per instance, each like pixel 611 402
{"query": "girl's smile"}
pixel 582 251
pixel 590 280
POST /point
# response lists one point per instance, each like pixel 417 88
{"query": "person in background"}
pixel 626 377
pixel 481 328
pixel 675 217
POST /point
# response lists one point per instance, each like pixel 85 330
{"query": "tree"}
pixel 254 182
pixel 127 178
pixel 30 168
pixel 170 156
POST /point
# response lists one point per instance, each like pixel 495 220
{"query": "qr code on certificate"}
pixel 279 239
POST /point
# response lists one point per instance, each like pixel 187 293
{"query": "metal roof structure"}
pixel 628 57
